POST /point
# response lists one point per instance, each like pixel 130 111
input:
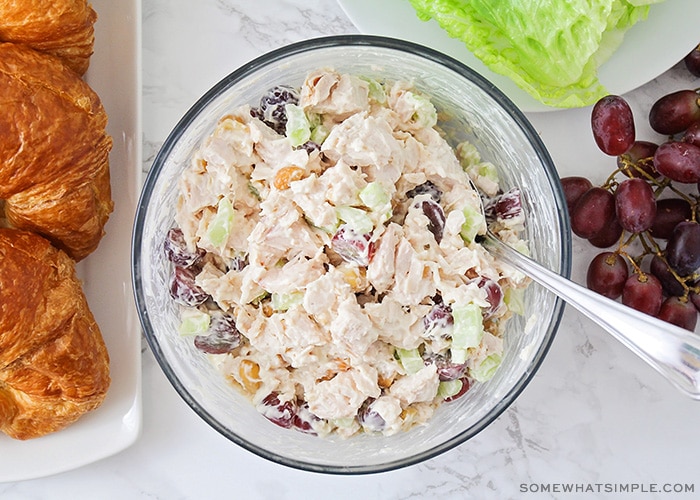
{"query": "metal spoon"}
pixel 672 351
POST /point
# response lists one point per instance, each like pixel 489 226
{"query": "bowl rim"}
pixel 243 71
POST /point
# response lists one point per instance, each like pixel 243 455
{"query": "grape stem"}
pixel 632 260
pixel 659 253
pixel 611 182
pixel 668 185
pixel 647 241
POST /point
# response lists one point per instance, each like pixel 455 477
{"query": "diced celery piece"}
pixel 514 298
pixel 424 114
pixel 298 128
pixel 473 220
pixel 314 119
pixel 376 91
pixel 356 218
pixel 458 356
pixel 344 422
pixel 468 328
pixel 521 246
pixel 263 295
pixel 329 228
pixel 319 134
pixel 285 301
pixel 220 225
pixel 375 197
pixel 411 360
pixel 489 171
pixel 449 388
pixel 468 155
pixel 318 131
pixel 487 368
pixel 193 322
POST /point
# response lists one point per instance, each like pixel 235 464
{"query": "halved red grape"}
pixel 669 212
pixel 638 160
pixel 426 188
pixel 183 288
pixel 643 292
pixel 683 248
pixel 593 211
pixel 276 411
pixel 446 369
pixel 494 295
pixel 222 336
pixel 574 187
pixel 353 246
pixel 176 249
pixel 438 319
pixel 436 217
pixel 612 124
pixel 675 112
pixel 607 274
pixel 508 205
pixel 680 312
pixel 679 161
pixel 635 205
pixel 369 419
pixel 303 420
pixel 272 107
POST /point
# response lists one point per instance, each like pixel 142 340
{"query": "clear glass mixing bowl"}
pixel 471 109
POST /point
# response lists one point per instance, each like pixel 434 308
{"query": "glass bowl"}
pixel 471 108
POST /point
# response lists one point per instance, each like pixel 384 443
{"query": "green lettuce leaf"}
pixel 550 48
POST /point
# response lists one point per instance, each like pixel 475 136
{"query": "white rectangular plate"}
pixel 115 75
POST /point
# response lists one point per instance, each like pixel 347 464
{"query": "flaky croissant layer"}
pixel 54 151
pixel 54 365
pixel 62 28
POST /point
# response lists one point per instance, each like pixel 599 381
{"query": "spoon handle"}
pixel 672 351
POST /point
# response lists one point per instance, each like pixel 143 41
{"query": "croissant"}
pixel 54 151
pixel 54 366
pixel 64 28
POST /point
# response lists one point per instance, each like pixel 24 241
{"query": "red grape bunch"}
pixel 646 215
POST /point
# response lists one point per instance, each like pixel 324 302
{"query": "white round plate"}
pixel 649 49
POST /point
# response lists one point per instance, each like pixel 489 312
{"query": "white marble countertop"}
pixel 594 416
